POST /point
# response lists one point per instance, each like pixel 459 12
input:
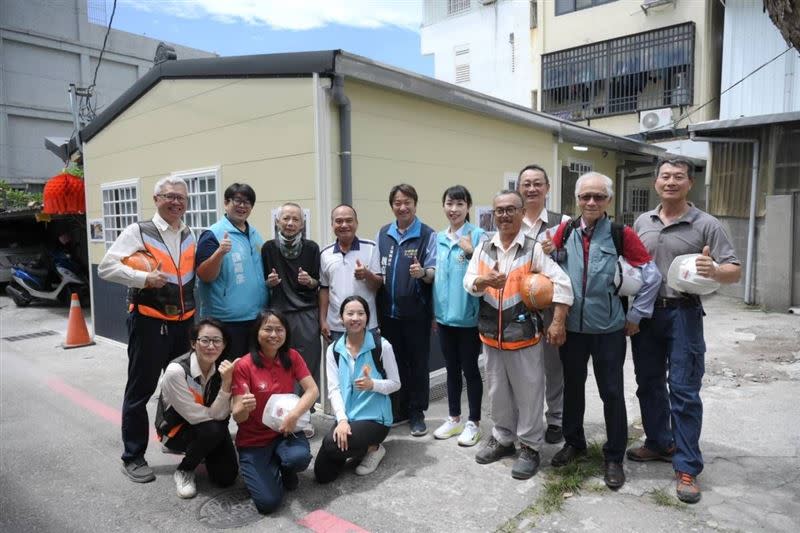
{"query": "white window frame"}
pixel 580 166
pixel 111 230
pixel 456 7
pixel 191 177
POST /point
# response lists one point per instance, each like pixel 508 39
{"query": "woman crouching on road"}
pixel 193 409
pixel 270 460
pixel 362 372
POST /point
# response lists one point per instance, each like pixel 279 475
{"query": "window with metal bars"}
pixel 457 6
pixel 202 210
pixel 637 72
pixel 120 202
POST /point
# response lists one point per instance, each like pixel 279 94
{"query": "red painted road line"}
pixel 323 522
pixel 82 399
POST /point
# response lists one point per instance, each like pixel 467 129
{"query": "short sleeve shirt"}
pixel 687 235
pixel 336 274
pixel 263 383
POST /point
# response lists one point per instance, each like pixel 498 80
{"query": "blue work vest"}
pixel 452 305
pixel 361 404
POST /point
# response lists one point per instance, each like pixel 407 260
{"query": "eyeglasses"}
pixel 592 196
pixel 173 198
pixel 241 202
pixel 210 341
pixel 510 211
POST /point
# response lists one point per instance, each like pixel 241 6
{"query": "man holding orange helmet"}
pixel 511 334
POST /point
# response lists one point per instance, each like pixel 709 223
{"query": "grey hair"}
pixel 169 180
pixel 511 192
pixel 607 182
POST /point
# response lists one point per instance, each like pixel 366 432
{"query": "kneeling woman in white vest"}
pixel 194 406
pixel 362 373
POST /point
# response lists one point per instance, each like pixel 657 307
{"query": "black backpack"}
pixel 377 352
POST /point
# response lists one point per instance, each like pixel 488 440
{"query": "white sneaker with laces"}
pixel 371 461
pixel 450 428
pixel 471 434
pixel 184 483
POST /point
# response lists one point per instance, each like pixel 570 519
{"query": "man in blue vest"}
pixel 407 249
pixel 230 270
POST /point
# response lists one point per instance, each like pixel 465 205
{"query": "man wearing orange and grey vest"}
pixel 511 336
pixel 161 307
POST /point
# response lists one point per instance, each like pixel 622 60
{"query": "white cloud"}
pixel 294 14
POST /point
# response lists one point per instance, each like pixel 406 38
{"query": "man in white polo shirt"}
pixel 347 267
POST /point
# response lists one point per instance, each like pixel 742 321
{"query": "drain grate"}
pixel 43 333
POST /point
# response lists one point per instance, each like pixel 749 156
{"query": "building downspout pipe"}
pixel 751 223
pixel 345 155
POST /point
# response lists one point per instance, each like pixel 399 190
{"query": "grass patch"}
pixel 558 484
pixel 662 498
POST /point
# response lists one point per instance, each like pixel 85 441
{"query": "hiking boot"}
pixel 418 427
pixel 686 488
pixel 184 483
pixel 370 461
pixel 450 428
pixel 471 434
pixel 290 479
pixel 138 471
pixel 526 464
pixel 567 454
pixel 614 475
pixel 643 454
pixel 553 435
pixel 494 451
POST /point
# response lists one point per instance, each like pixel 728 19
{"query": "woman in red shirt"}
pixel 270 460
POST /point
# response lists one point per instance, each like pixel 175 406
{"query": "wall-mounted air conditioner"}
pixel 649 4
pixel 486 2
pixel 655 119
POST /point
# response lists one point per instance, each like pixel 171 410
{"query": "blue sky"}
pixel 383 30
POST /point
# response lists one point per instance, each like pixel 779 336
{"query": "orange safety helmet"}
pixel 141 261
pixel 537 291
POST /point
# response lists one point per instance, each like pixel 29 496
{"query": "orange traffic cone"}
pixel 77 334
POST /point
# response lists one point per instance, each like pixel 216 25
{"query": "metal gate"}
pixel 795 243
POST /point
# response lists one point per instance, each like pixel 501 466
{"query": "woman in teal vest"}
pixel 362 373
pixel 457 316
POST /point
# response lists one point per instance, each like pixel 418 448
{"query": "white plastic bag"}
pixel 278 406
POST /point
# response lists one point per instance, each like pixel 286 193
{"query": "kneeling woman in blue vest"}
pixel 362 373
pixel 194 406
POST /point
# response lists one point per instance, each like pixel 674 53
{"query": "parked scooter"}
pixel 30 284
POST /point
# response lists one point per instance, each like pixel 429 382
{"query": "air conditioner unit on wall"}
pixel 655 119
pixel 487 2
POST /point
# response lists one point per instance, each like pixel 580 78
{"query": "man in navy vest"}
pixel 407 249
pixel 231 273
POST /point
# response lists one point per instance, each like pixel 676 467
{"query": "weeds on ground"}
pixel 561 483
pixel 662 498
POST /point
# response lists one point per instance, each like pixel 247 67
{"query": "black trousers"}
pixel 331 460
pixel 240 338
pixel 152 344
pixel 608 356
pixel 211 441
pixel 411 341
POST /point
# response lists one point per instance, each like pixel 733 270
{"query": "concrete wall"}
pixel 782 272
pixel 736 228
pixel 45 46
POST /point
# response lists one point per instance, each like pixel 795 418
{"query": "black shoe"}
pixel 553 434
pixel 567 454
pixel 290 479
pixel 494 451
pixel 417 423
pixel 614 475
pixel 138 471
pixel 526 464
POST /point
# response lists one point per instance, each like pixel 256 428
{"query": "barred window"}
pixel 457 6
pixel 203 209
pixel 120 208
pixel 646 70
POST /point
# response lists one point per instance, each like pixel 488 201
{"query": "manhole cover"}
pixel 230 509
pixel 44 333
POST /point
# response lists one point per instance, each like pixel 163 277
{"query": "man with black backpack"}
pixel 588 250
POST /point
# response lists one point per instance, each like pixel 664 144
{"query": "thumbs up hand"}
pixel 360 271
pixel 465 243
pixel 225 244
pixel 155 279
pixel 364 382
pixel 303 278
pixel 416 270
pixel 273 279
pixel 547 243
pixel 705 264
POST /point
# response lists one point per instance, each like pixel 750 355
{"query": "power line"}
pixel 87 107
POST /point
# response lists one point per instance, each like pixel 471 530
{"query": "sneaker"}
pixel 418 427
pixel 494 451
pixel 643 454
pixel 553 435
pixel 614 475
pixel 686 488
pixel 450 428
pixel 138 471
pixel 184 483
pixel 371 461
pixel 290 479
pixel 471 434
pixel 567 454
pixel 526 464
